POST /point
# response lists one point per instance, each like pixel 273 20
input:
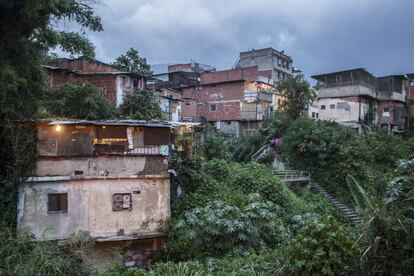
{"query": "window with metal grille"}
pixel 57 202
pixel 121 202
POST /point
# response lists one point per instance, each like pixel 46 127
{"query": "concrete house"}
pixel 107 178
pixel 349 97
pixel 169 101
pixel 113 83
pixel 273 65
pixel 410 98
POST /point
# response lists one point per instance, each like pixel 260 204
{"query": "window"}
pixel 313 115
pixel 213 107
pixel 57 202
pixel 317 115
pixel 386 109
pixel 323 107
pixel 121 202
pixel 332 106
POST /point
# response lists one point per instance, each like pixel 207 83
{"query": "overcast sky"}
pixel 320 35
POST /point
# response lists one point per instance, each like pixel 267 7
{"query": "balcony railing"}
pixel 390 95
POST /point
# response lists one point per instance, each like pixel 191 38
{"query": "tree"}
pixel 141 105
pixel 132 62
pixel 80 101
pixel 26 33
pixel 296 95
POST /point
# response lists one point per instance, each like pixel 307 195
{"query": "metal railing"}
pixel 293 175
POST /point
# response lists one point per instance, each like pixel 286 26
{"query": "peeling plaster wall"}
pixel 341 114
pixel 95 166
pixel 90 207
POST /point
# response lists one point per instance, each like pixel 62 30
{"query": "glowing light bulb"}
pixel 58 128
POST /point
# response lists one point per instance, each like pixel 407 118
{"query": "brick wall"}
pixel 410 93
pixel 226 97
pixel 249 74
pixel 391 105
pixel 58 77
pixel 105 82
pixel 84 65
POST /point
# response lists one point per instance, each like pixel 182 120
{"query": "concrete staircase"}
pixel 280 169
pixel 349 213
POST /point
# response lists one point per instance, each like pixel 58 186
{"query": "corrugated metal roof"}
pixel 152 123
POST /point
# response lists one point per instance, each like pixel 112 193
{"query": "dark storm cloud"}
pixel 320 35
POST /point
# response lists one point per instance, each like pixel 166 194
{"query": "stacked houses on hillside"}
pixel 238 100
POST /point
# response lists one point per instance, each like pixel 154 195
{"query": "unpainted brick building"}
pixel 114 84
pixel 234 101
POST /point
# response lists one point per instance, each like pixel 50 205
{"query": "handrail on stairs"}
pixel 257 154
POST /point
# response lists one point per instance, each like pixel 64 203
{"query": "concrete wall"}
pixel 345 91
pixel 266 59
pixel 344 110
pixel 98 166
pixel 90 208
pixel 230 127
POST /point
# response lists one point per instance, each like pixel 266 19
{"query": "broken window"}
pixel 57 202
pixel 122 202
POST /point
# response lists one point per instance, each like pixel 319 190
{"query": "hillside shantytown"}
pixel 276 163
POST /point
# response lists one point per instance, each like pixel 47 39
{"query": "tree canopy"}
pixel 296 95
pixel 80 101
pixel 131 61
pixel 141 105
pixel 28 29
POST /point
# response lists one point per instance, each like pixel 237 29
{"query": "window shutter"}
pixel 117 202
pixel 53 204
pixel 63 202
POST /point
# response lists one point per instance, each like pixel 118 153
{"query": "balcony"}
pixel 262 95
pixel 252 111
pixel 346 89
pixel 391 96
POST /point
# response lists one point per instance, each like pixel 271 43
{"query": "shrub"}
pixel 218 228
pixel 215 146
pixel 321 247
pixel 79 101
pixel 264 262
pixel 23 256
pixel 141 105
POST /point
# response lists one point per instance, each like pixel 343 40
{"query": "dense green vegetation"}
pixel 241 219
pixel 234 217
pixel 77 101
pixel 331 152
pixel 140 105
pixel 133 62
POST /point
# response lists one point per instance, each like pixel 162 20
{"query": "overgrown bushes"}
pixel 24 256
pixel 330 152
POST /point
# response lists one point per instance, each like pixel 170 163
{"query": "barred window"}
pixel 57 202
pixel 122 202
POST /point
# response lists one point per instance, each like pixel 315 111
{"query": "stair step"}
pixel 316 186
